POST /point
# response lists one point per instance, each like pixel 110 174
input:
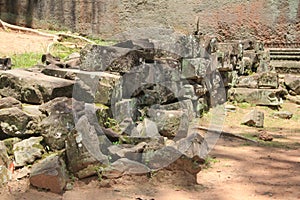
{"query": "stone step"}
pixel 285 60
pixel 285 57
pixel 286 67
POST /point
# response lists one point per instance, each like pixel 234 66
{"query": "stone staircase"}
pixel 285 60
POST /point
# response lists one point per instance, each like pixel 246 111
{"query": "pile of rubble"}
pixel 125 109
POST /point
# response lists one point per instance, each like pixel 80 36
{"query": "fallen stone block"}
pixel 147 128
pixel 170 123
pixel 254 118
pixel 268 80
pixel 124 166
pixel 109 58
pixel 283 114
pixel 49 173
pixel 195 68
pixel 9 102
pixel 27 151
pixel 58 123
pixel 293 83
pixel 34 88
pixel 264 97
pixel 14 122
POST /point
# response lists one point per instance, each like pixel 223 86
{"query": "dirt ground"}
pixel 14 42
pixel 238 170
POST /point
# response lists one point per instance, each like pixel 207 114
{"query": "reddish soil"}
pixel 13 42
pixel 238 170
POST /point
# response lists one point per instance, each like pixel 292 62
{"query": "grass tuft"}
pixel 26 60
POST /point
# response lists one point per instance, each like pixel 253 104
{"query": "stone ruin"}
pixel 126 109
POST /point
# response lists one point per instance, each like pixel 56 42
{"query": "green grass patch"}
pixel 245 105
pixel 209 161
pixel 26 60
pixel 62 51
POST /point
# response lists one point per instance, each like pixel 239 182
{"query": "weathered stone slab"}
pixel 109 58
pixel 170 123
pixel 125 109
pixel 283 114
pixel 254 118
pixel 27 151
pixel 132 152
pixel 184 105
pixel 259 80
pixel 33 87
pixel 84 148
pixel 195 68
pixel 58 123
pixel 125 166
pixel 147 128
pixel 50 173
pixel 268 80
pixel 293 83
pixel 144 46
pixel 13 121
pixel 192 146
pixel 100 84
pixel 264 97
pixel 9 102
pixel 247 82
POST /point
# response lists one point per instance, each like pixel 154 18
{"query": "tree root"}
pixel 56 37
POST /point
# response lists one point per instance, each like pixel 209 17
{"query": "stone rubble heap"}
pixel 126 109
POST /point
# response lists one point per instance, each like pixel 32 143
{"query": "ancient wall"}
pixel 270 20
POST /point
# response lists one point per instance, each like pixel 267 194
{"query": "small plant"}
pixel 116 143
pixel 99 170
pixel 209 161
pixel 113 124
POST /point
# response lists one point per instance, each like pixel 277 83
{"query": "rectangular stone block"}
pixel 195 68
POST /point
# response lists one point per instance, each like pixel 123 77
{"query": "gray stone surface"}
pixel 264 97
pixel 27 151
pixel 58 123
pixel 196 68
pixel 170 123
pixel 84 148
pixel 132 152
pixel 293 83
pixel 125 109
pixel 192 147
pixel 49 173
pixel 283 114
pixel 31 87
pixel 109 58
pixel 9 102
pixel 13 121
pixel 268 80
pixel 125 166
pixel 254 118
pixel 247 82
pixel 147 128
